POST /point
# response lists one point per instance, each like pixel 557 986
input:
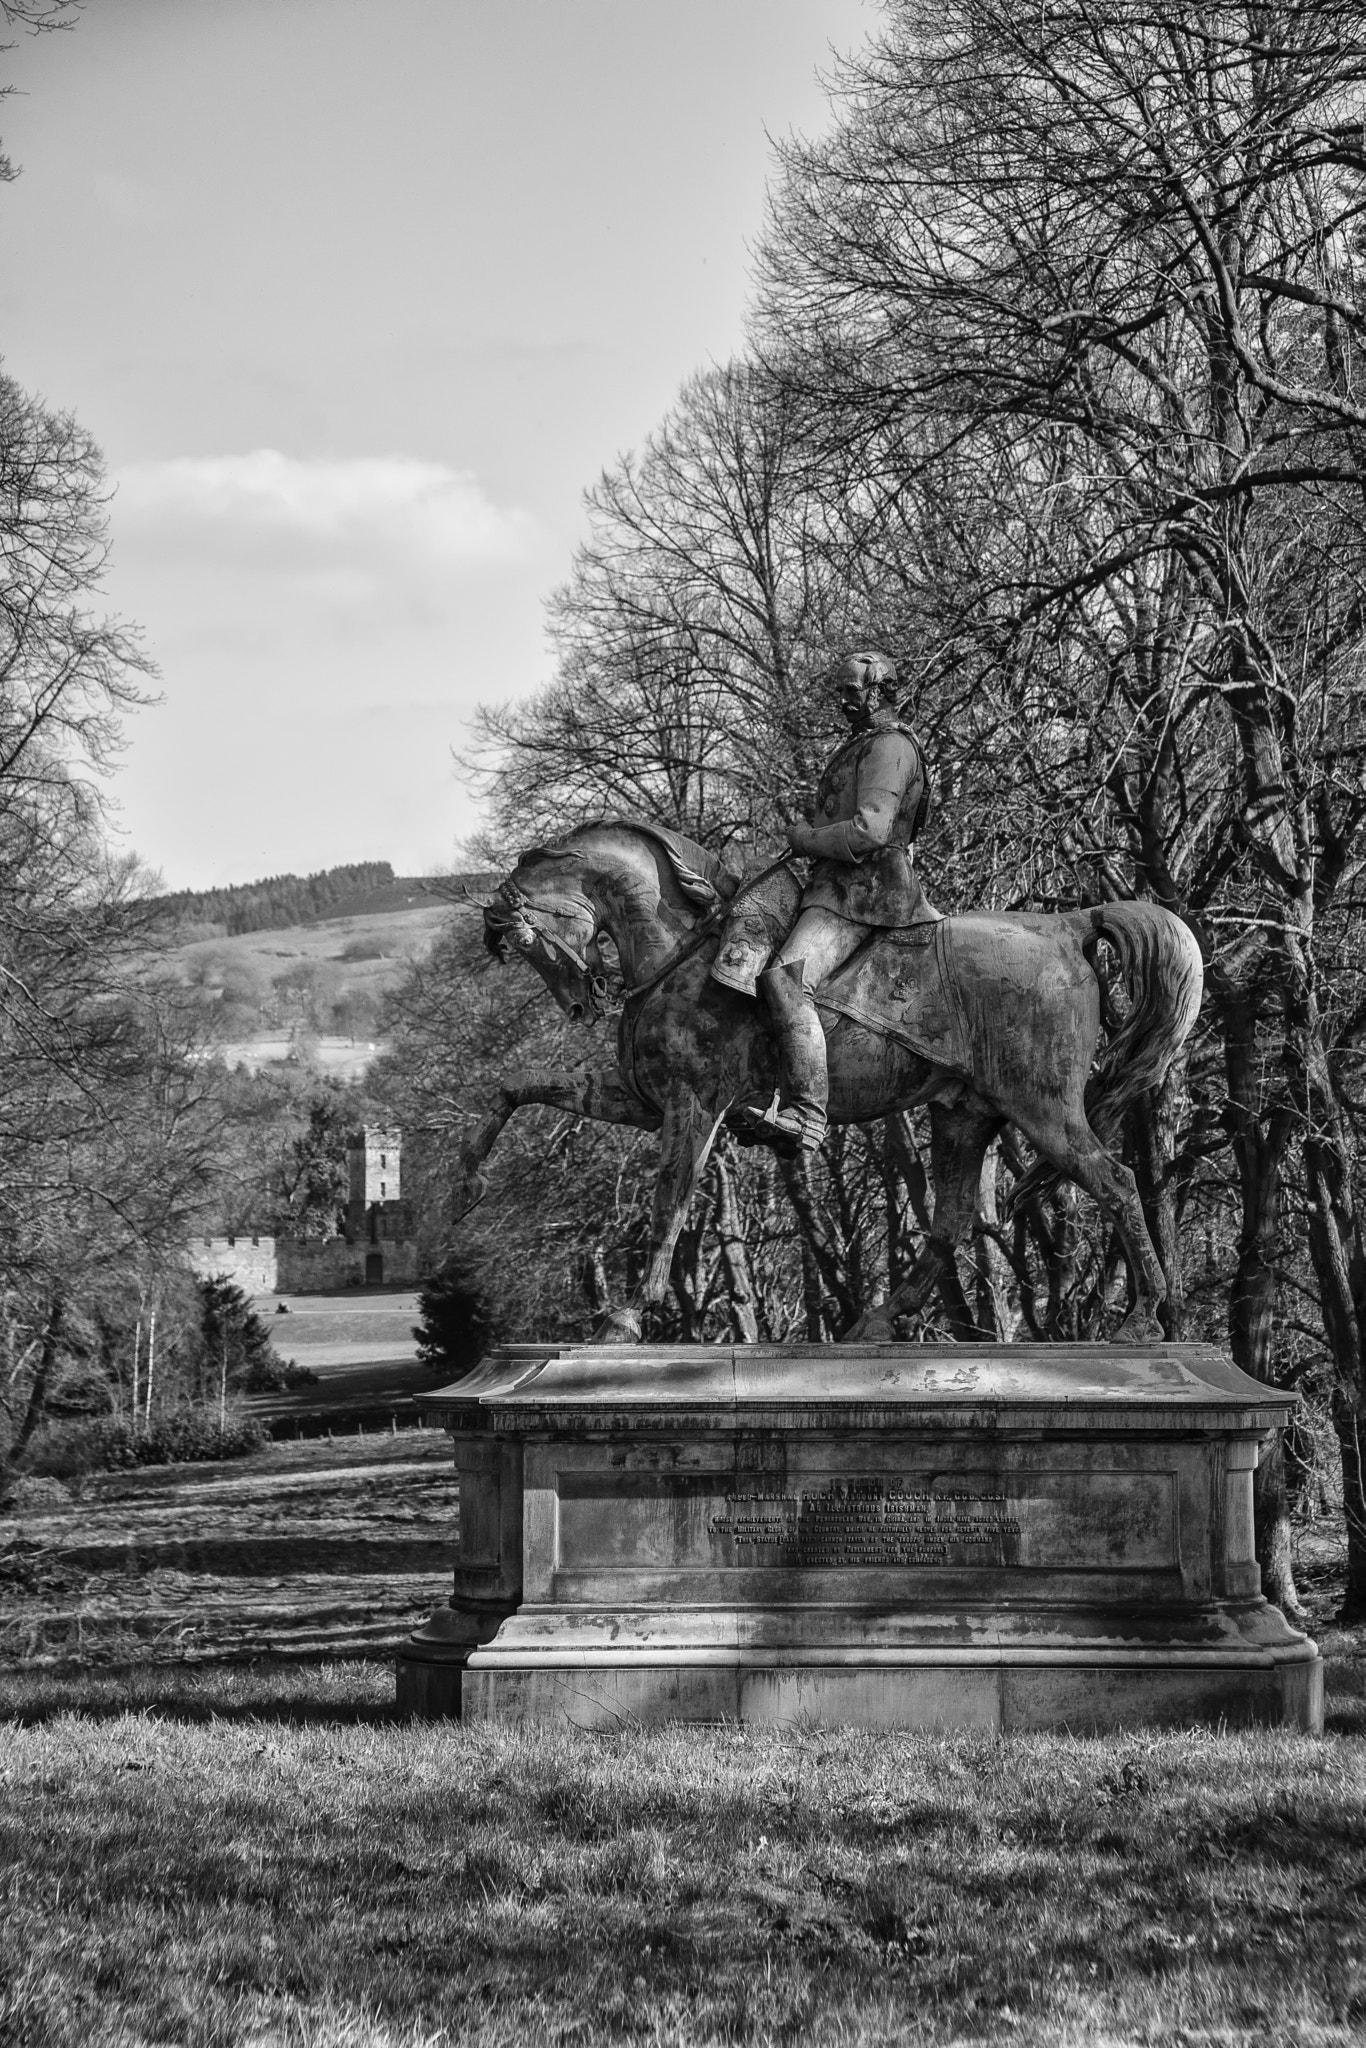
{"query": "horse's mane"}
pixel 700 875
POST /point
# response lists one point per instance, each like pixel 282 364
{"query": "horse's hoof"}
pixel 1140 1326
pixel 622 1326
pixel 874 1328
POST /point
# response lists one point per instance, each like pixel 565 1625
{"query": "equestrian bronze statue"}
pixel 775 1005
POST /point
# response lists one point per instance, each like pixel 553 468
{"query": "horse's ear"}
pixel 696 888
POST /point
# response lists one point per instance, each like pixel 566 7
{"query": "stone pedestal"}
pixel 896 1536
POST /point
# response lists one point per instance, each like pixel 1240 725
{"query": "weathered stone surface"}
pixel 1004 1537
pixel 996 1019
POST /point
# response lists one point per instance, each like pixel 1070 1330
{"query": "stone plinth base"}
pixel 887 1536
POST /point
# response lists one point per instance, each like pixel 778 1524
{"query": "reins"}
pixel 681 954
pixel 521 908
pixel 698 937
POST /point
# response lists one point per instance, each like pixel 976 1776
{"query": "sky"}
pixel 358 297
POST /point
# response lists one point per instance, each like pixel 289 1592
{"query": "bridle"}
pixel 523 931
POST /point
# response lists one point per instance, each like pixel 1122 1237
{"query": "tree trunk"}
pixel 835 1281
pixel 1155 1125
pixel 734 1253
pixel 595 1287
pixel 1347 1421
pixel 690 1272
pixel 813 1305
pixel 910 1166
pixel 1260 1142
pixel 38 1386
pixel 894 1199
pixel 1339 1258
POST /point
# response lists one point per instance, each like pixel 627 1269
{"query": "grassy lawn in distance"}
pixel 262 1856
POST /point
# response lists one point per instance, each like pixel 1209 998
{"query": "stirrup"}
pixel 802 1128
pixel 779 1121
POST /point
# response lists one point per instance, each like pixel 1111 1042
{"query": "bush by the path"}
pixel 187 1436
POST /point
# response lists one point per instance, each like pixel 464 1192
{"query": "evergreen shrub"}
pixel 185 1436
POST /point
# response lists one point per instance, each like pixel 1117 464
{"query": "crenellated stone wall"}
pixel 250 1262
pixel 291 1265
pixel 377 1247
pixel 317 1268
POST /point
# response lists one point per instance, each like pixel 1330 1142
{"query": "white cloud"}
pixel 323 631
pixel 405 506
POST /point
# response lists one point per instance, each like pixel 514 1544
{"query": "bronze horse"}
pixel 988 1018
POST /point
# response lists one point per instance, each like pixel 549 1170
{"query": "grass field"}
pixel 361 1348
pixel 199 1850
pixel 307 1550
pixel 396 936
pixel 359 956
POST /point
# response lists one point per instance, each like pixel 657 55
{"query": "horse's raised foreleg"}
pixel 685 1140
pixel 959 1136
pixel 595 1092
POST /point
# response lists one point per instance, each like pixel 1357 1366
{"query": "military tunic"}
pixel 870 803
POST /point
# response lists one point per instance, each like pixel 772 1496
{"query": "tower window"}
pixel 383 1160
pixel 381 1191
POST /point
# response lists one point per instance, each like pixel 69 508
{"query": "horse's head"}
pixel 544 917
pixel 639 884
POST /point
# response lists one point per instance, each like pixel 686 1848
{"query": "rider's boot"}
pixel 805 1089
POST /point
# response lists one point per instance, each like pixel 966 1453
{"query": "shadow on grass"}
pixel 337 1692
pixel 343 1691
pixel 1344 1670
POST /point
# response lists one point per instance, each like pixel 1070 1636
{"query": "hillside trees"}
pixel 111 1136
pixel 112 1118
pixel 276 900
pixel 108 1127
pixel 282 1165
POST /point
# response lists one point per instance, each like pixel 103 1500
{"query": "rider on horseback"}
pixel 870 803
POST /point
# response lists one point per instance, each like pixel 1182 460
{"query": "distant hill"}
pixel 407 892
pixel 284 902
pixel 279 900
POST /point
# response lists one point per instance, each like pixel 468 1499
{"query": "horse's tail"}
pixel 1160 964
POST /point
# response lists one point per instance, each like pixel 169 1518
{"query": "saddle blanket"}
pixel 901 986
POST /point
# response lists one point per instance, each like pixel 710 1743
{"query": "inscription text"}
pixel 867 1523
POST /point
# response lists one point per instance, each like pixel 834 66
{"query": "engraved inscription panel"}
pixel 868 1523
pixel 1059 1519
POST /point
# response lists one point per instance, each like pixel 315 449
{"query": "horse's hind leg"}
pixel 959 1136
pixel 1076 1151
